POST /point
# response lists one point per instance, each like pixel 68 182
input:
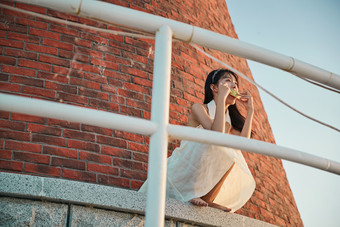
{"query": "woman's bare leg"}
pixel 210 196
pixel 207 200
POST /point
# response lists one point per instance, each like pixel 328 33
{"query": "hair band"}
pixel 215 73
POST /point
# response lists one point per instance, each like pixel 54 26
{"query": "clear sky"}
pixel 308 30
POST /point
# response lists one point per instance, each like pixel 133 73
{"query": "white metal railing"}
pixel 158 127
pixel 159 140
pixel 61 111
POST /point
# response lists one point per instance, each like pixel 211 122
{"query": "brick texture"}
pixel 61 63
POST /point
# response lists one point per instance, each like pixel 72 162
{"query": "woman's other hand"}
pixel 248 98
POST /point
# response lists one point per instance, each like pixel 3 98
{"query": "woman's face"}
pixel 231 82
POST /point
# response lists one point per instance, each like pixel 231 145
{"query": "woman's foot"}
pixel 215 205
pixel 199 202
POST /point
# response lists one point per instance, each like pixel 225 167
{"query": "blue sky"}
pixel 308 30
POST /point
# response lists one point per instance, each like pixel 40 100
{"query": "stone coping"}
pixel 113 198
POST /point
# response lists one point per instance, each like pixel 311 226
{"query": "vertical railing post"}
pixel 155 204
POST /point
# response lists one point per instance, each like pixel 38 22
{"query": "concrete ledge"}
pixel 76 193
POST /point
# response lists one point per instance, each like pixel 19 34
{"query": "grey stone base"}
pixel 20 212
pixel 39 201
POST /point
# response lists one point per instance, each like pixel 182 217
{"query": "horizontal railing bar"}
pixel 150 23
pixel 251 145
pixel 61 111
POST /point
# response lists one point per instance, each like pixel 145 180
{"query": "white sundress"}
pixel 195 168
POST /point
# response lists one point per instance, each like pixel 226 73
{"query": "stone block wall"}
pixel 42 201
pixel 61 63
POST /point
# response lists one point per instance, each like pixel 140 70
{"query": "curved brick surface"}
pixel 61 63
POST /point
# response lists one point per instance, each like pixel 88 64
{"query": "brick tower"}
pixel 61 63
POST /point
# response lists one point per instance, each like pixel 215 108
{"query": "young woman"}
pixel 210 175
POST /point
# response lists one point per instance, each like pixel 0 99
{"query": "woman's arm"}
pixel 246 130
pixel 202 117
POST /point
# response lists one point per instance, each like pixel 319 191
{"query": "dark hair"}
pixel 237 120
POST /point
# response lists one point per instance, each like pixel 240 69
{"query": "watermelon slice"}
pixel 235 94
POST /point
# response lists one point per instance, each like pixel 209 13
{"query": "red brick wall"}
pixel 62 63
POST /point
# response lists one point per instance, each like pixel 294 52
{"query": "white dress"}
pixel 195 168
